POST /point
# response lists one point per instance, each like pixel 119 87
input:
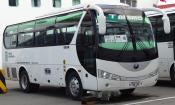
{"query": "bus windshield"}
pixel 129 36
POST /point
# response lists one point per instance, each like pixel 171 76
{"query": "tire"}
pixel 25 84
pixel 127 92
pixel 74 86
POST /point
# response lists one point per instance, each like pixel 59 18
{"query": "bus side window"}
pixel 65 34
pixel 10 41
pixel 49 38
pixel 59 37
pixel 10 36
pixel 25 39
pixel 39 38
pixel 70 30
pixel 67 25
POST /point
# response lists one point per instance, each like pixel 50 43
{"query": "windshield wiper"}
pixel 132 34
pixel 132 38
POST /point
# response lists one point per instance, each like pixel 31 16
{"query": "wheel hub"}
pixel 74 86
pixel 24 81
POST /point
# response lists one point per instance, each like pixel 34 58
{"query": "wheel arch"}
pixel 69 71
pixel 22 68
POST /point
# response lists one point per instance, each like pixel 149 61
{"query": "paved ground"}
pixel 162 94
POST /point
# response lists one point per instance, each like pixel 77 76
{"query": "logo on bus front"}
pixel 136 66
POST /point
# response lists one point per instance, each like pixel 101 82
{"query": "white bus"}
pixel 100 48
pixel 165 44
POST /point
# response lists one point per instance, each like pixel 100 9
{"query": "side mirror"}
pixel 101 17
pixel 166 24
pixel 102 24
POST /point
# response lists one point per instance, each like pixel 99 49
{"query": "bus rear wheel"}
pixel 74 86
pixel 127 92
pixel 25 84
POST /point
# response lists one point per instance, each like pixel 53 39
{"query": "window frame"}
pixel 11 3
pixel 76 2
pixel 56 5
pixel 24 46
pixel 36 3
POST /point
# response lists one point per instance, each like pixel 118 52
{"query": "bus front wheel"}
pixel 74 86
pixel 25 84
pixel 127 92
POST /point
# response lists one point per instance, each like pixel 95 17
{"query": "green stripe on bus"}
pixel 120 45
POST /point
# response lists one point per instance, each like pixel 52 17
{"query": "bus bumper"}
pixel 3 88
pixel 112 85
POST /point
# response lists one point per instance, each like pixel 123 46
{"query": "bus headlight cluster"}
pixel 153 73
pixel 107 75
pixel 111 76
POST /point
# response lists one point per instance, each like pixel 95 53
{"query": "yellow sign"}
pixel 3 87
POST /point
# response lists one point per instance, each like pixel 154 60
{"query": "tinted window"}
pixel 36 3
pixel 25 34
pixel 49 38
pixel 66 27
pixel 28 26
pixel 10 41
pixel 25 40
pixel 70 33
pixel 39 38
pixel 45 35
pixel 56 3
pixel 43 32
pixel 13 2
pixel 10 36
pixel 59 37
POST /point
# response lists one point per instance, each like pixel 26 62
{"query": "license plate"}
pixel 134 83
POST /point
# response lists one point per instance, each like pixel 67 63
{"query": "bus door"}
pixel 165 48
pixel 86 50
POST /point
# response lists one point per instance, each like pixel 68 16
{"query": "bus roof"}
pixel 79 7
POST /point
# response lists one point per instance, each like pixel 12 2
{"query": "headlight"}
pixel 153 73
pixel 103 74
pixel 107 75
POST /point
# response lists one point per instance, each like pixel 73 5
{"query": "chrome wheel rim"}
pixel 24 81
pixel 74 86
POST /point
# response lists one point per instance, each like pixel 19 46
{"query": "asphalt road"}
pixel 162 94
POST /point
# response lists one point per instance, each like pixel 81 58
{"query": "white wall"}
pixel 145 3
pixel 149 3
